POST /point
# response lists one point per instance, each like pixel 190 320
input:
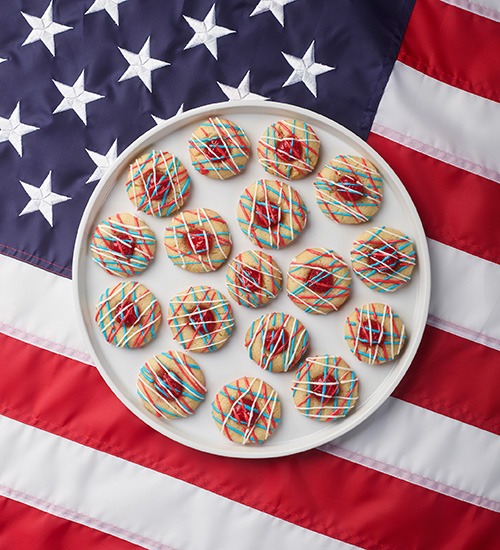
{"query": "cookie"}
pixel 289 149
pixel 198 240
pixel 123 245
pixel 128 315
pixel 374 333
pixel 318 281
pixel 271 214
pixel 325 388
pixel 158 184
pixel 247 410
pixel 277 341
pixel 200 319
pixel 349 189
pixel 253 278
pixel 383 258
pixel 171 385
pixel 219 148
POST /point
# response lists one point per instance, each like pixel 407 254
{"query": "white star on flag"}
pixel 242 91
pixel 2 59
pixel 159 120
pixel 141 64
pixel 102 162
pixel 13 130
pixel 206 32
pixel 44 29
pixel 75 97
pixel 276 7
pixel 305 69
pixel 111 7
pixel 42 199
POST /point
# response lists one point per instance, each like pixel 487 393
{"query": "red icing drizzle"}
pixel 325 387
pixel 125 246
pixel 319 281
pixel 370 332
pixel 276 340
pixel 126 314
pixel 267 215
pixel 250 278
pixel 289 149
pixel 350 188
pixel 203 320
pixel 200 241
pixel 216 150
pixel 384 258
pixel 245 411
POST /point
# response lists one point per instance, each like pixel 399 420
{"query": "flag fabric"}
pixel 80 80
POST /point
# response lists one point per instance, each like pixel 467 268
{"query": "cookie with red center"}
pixel 129 315
pixel 277 341
pixel 271 214
pixel 219 148
pixel 123 245
pixel 158 184
pixel 383 258
pixel 247 410
pixel 319 281
pixel 349 189
pixel 374 333
pixel 171 385
pixel 253 278
pixel 200 319
pixel 198 240
pixel 289 149
pixel 325 388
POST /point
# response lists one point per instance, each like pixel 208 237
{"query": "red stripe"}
pixel 441 193
pixel 351 502
pixel 23 527
pixel 462 50
pixel 451 376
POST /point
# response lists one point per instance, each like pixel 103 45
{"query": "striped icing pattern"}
pixel 193 334
pixel 253 278
pixel 260 401
pixel 339 207
pixel 121 301
pixel 171 385
pixel 219 148
pixel 288 341
pixel 383 258
pixel 214 240
pixel 325 388
pixel 310 269
pixel 158 183
pixel 289 149
pixel 374 333
pixel 123 245
pixel 271 200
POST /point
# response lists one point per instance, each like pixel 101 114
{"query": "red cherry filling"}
pixel 288 149
pixel 325 387
pixel 349 188
pixel 158 186
pixel 123 245
pixel 174 387
pixel 215 149
pixel 250 278
pixel 276 340
pixel 200 241
pixel 319 281
pixel 267 214
pixel 203 320
pixel 384 258
pixel 245 411
pixel 370 332
pixel 125 311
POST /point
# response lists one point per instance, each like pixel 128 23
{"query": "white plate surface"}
pixel 119 367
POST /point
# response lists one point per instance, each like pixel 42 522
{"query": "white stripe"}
pixel 427 449
pixel 441 121
pixel 485 8
pixel 132 502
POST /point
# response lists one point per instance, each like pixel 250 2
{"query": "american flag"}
pixel 80 81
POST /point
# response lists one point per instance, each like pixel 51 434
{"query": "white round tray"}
pixel 119 367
